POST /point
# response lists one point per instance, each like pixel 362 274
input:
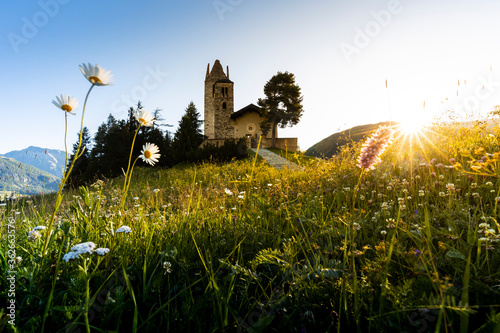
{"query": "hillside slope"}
pixel 49 160
pixel 329 146
pixel 25 179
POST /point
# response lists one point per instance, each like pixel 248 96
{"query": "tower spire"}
pixel 208 71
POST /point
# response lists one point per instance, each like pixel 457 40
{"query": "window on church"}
pixel 213 90
pixel 222 90
pixel 226 90
pixel 224 106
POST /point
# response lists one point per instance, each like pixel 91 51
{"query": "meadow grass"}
pixel 411 246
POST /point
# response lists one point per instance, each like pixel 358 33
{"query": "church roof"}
pixel 217 73
pixel 247 109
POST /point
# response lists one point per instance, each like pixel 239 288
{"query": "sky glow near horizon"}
pixel 341 52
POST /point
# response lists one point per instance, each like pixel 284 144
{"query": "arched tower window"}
pixel 226 91
pixel 213 90
pixel 222 91
pixel 224 106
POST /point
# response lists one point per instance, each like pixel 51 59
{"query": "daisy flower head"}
pixel 150 153
pixel 144 118
pixel 96 74
pixel 66 103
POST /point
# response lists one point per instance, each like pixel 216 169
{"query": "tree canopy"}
pixel 282 105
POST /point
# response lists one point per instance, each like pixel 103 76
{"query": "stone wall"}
pixel 223 102
pixel 289 144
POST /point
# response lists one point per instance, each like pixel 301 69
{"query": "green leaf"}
pixel 455 254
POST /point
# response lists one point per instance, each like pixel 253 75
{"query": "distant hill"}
pixel 49 160
pixel 25 179
pixel 328 147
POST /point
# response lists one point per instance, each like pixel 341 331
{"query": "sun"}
pixel 412 124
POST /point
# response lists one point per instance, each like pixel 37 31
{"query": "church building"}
pixel 222 122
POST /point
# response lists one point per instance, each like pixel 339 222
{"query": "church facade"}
pixel 221 122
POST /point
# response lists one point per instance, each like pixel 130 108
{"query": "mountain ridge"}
pixel 25 179
pixel 45 159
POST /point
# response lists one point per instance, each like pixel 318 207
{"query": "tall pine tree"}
pixel 188 137
pixel 79 174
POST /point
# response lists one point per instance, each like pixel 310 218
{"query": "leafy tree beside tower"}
pixel 282 105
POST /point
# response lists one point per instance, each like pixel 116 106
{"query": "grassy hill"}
pixel 25 179
pixel 411 246
pixel 329 146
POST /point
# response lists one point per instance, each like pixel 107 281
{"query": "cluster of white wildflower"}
pixel 84 248
pixel 391 223
pixel 40 227
pixel 167 266
pixel 77 250
pixel 124 229
pixel 34 234
pixel 102 251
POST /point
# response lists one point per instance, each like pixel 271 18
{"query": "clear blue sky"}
pixel 341 53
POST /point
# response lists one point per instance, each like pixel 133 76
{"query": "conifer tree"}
pixel 79 173
pixel 188 136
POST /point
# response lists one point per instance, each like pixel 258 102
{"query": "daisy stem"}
pixel 127 176
pixel 65 142
pixel 64 179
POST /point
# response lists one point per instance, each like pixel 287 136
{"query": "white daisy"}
pixel 96 74
pixel 144 118
pixel 124 229
pixel 150 153
pixel 66 103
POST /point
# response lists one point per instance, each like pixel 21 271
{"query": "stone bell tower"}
pixel 219 103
